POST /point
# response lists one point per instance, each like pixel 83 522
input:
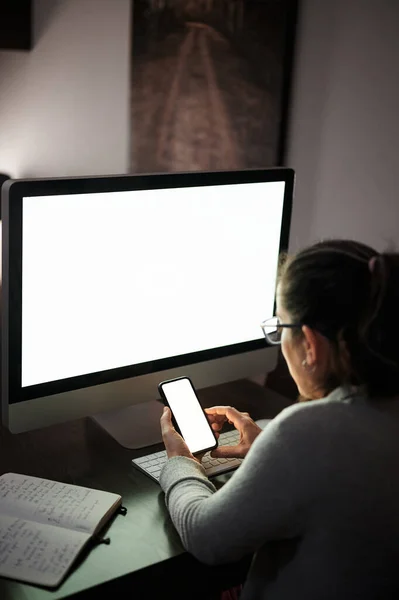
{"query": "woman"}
pixel 317 496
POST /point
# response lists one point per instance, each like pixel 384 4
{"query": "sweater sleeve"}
pixel 262 501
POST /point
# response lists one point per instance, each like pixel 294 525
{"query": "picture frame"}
pixel 211 83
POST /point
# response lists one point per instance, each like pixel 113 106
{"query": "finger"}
pixel 232 415
pixel 228 412
pixel 166 414
pixel 227 452
pixel 217 414
pixel 216 428
pixel 217 410
pixel 214 418
pixel 216 424
pixel 166 421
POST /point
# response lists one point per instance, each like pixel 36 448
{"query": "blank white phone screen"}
pixel 189 416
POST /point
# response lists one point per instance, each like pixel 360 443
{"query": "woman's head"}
pixel 346 297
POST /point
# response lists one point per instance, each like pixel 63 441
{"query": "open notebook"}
pixel 45 524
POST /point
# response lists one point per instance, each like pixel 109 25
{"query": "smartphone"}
pixel 188 415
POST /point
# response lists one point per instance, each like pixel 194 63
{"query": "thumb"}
pixel 166 419
pixel 166 414
pixel 227 452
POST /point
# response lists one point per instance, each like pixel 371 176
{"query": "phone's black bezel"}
pixel 175 424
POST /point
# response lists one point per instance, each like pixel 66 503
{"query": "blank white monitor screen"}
pixel 126 277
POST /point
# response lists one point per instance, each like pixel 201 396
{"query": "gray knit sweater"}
pixel 316 500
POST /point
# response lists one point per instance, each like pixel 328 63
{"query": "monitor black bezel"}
pixel 12 197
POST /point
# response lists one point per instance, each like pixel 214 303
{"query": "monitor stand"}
pixel 135 426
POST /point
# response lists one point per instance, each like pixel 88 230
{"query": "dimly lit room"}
pixel 199 285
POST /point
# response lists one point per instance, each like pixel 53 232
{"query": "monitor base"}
pixel 135 426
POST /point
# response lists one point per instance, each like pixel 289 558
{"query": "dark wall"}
pixel 15 24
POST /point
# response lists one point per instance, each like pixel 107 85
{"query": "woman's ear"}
pixel 316 347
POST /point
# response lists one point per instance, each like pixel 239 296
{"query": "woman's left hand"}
pixel 174 443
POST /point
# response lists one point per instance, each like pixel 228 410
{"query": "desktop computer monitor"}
pixel 112 284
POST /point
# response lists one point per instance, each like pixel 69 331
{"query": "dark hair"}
pixel 335 288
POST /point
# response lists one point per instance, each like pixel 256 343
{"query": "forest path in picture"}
pixel 198 104
pixel 196 131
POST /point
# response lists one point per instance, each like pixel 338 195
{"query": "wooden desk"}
pixel 145 556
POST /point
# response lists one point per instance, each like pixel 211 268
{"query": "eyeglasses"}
pixel 273 329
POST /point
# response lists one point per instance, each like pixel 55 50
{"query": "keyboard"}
pixel 151 464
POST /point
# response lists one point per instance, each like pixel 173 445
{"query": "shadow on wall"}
pixel 317 29
pixel 43 13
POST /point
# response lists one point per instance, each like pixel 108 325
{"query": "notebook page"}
pixel 54 503
pixel 37 553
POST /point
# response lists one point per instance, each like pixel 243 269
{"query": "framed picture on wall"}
pixel 210 83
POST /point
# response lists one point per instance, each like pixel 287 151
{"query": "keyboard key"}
pixel 154 469
pixel 142 461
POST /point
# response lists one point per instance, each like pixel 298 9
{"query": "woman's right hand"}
pixel 247 428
